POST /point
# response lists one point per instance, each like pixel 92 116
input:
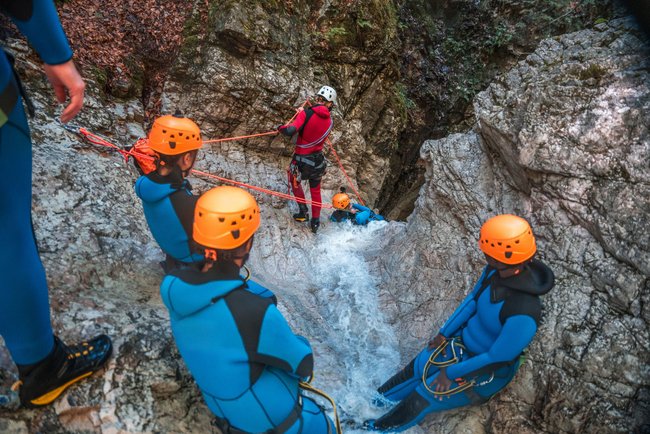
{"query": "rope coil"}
pixel 306 385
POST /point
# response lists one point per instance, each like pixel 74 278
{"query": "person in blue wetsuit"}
pixel 46 366
pixel 476 353
pixel 346 210
pixel 166 194
pixel 239 348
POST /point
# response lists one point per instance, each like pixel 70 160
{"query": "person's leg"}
pixel 46 366
pixel 411 410
pixel 298 192
pixel 314 190
pixel 24 305
pixel 405 381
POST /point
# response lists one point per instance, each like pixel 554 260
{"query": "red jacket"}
pixel 315 132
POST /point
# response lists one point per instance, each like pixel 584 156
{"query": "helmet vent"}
pixel 516 241
pixel 499 243
pixel 172 144
pixel 235 234
pixel 200 214
pixel 164 131
pixel 221 219
pixel 508 255
pixel 508 247
pixel 243 216
pixel 233 223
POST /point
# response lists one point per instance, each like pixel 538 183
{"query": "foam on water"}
pixel 358 335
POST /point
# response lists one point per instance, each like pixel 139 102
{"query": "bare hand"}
pixel 436 342
pixel 442 383
pixel 67 82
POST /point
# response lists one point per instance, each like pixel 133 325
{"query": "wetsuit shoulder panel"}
pixel 521 304
pixel 184 204
pixel 248 311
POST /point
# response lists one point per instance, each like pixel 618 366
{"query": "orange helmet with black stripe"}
pixel 341 201
pixel 174 135
pixel 225 218
pixel 508 239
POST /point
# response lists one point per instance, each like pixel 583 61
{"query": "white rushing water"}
pixel 355 348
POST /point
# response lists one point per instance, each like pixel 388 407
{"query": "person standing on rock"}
pixel 239 348
pixel 46 366
pixel 166 194
pixel 346 210
pixel 477 351
pixel 311 128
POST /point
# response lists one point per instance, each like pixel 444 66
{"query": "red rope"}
pixel 344 172
pixel 269 133
pixel 98 140
pixel 228 139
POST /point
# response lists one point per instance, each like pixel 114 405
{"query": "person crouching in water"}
pixel 311 129
pixel 242 353
pixel 346 210
pixel 166 194
pixel 477 351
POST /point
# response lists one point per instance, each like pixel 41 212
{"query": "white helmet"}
pixel 328 93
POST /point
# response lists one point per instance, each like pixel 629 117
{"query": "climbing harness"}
pixel 457 350
pixel 306 385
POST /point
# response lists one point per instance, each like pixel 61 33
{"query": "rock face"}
pixel 562 139
pixel 261 60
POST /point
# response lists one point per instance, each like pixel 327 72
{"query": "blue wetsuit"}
pixel 242 353
pixel 363 216
pixel 168 205
pixel 495 323
pixel 24 306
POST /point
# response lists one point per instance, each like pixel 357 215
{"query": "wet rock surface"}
pixel 537 150
pixel 562 139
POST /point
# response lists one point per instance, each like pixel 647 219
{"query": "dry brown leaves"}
pixel 122 39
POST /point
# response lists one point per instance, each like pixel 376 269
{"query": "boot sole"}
pixel 50 396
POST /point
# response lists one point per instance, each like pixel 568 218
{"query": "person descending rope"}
pixel 242 353
pixel 310 129
pixel 346 210
pixel 46 366
pixel 166 194
pixel 477 351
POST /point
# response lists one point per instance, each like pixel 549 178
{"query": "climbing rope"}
pixel 229 139
pixel 338 160
pixel 96 139
pixel 250 136
pixel 462 384
pixel 101 141
pixel 306 385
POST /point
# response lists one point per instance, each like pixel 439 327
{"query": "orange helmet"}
pixel 172 135
pixel 508 239
pixel 225 218
pixel 341 201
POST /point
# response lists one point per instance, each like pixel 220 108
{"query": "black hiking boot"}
pixel 314 224
pixel 43 382
pixel 303 214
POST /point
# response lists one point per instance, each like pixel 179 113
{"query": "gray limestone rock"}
pixel 562 139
